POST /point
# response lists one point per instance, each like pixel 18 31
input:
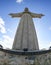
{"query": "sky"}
pixel 8 25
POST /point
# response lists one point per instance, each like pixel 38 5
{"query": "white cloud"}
pixel 19 1
pixel 6 42
pixel 2 26
pixel 1 21
pixel 49 44
pixel 44 44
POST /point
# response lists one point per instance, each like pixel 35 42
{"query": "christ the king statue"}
pixel 26 38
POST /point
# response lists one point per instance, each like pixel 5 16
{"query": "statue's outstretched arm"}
pixel 34 15
pixel 15 14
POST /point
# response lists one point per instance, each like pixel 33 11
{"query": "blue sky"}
pixel 9 25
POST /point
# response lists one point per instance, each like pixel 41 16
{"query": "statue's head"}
pixel 26 9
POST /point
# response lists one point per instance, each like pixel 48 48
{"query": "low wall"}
pixel 10 59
